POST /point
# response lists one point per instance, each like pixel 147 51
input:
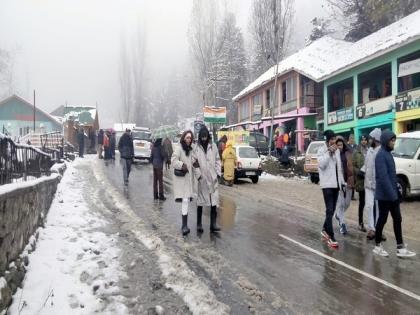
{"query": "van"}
pixel 259 141
pixel 407 163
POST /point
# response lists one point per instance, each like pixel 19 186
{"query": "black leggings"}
pixel 361 205
pixel 386 206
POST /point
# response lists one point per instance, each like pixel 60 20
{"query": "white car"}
pixel 142 143
pixel 407 162
pixel 249 163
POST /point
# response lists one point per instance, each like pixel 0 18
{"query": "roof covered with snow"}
pixel 84 115
pixel 328 57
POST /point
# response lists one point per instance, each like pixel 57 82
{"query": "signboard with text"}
pixel 341 115
pixel 407 101
pixel 374 107
pixel 237 137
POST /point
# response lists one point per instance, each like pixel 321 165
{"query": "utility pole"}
pixel 276 44
pixel 34 111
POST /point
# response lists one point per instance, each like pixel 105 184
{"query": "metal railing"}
pixel 21 161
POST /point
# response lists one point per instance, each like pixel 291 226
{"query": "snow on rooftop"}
pixel 327 56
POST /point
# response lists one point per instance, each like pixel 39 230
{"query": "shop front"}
pixel 407 106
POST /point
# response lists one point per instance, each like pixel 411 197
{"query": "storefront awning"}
pixel 409 67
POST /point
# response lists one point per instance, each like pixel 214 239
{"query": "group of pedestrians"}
pixel 107 143
pixel 370 170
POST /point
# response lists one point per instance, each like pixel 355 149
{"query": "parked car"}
pixel 407 162
pixel 249 163
pixel 142 142
pixel 311 160
pixel 259 141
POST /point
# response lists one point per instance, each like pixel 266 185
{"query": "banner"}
pixel 214 114
pixel 237 137
pixel 409 67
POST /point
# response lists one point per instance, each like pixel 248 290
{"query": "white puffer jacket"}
pixel 329 167
pixel 369 168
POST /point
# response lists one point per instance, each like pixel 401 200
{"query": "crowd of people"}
pixel 369 169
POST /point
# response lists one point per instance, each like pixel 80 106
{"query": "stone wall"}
pixel 23 208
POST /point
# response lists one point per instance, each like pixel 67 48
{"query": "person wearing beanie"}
pixel 331 181
pixel 388 196
pixel 370 181
pixel 359 156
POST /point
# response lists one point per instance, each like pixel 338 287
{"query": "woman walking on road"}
pixel 229 163
pixel 183 179
pixel 157 157
pixel 359 156
pixel 331 180
pixel 207 169
pixel 388 196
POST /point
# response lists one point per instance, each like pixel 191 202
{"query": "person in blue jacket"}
pixel 388 196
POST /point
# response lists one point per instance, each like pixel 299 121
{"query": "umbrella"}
pixel 165 132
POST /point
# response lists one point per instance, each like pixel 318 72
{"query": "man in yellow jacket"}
pixel 229 163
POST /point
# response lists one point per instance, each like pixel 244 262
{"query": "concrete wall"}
pixel 23 207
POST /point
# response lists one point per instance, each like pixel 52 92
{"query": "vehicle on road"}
pixel 142 142
pixel 407 162
pixel 311 161
pixel 259 141
pixel 249 163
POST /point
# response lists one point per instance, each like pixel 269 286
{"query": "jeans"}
pixel 371 208
pixel 126 164
pixel 385 207
pixel 158 180
pixel 361 205
pixel 343 203
pixel 330 199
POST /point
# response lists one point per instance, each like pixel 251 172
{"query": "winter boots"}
pixel 199 216
pixel 185 229
pixel 213 217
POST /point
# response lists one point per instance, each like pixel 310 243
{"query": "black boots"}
pixel 213 217
pixel 185 229
pixel 199 216
pixel 162 197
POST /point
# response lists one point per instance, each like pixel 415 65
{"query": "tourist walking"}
pixel 100 144
pixel 229 162
pixel 359 156
pixel 331 180
pixel 207 171
pixel 158 157
pixel 222 145
pixel 183 179
pixel 81 142
pixel 388 196
pixel 370 181
pixel 112 144
pixel 168 151
pixel 345 193
pixel 126 148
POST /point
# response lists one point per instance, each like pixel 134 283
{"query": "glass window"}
pixel 412 81
pixel 248 153
pixel 244 110
pixel 314 147
pixel 141 135
pixel 406 147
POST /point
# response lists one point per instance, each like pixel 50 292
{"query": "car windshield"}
pixel 141 135
pixel 313 148
pixel 248 153
pixel 406 147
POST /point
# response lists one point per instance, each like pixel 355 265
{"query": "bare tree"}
pixel 7 77
pixel 270 27
pixel 126 84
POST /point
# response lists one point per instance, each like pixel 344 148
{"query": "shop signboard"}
pixel 341 115
pixel 236 137
pixel 374 107
pixel 332 118
pixel 407 100
pixel 257 109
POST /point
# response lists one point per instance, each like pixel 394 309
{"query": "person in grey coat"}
pixel 126 148
pixel 207 170
pixel 183 185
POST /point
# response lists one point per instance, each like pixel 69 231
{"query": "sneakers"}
pixel 404 252
pixel 332 243
pixel 379 250
pixel 325 235
pixel 343 229
pixel 362 227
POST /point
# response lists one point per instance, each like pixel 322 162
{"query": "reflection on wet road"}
pixel 252 269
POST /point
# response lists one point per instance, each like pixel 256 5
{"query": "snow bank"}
pixel 70 260
pixel 7 188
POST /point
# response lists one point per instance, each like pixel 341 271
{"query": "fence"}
pixel 20 161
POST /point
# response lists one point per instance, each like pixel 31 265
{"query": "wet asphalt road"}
pixel 253 270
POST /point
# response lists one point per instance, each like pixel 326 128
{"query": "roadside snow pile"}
pixel 75 267
pixel 270 177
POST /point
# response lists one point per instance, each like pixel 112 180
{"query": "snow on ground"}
pixel 75 266
pixel 279 178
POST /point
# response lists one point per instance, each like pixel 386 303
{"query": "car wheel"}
pixel 402 187
pixel 254 179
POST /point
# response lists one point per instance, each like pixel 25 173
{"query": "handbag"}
pixel 179 173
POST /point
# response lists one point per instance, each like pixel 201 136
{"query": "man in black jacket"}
pixel 126 148
pixel 81 142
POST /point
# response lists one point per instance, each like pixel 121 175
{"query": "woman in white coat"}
pixel 183 178
pixel 207 170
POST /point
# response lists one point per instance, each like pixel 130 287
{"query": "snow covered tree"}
pixel 320 29
pixel 270 27
pixel 7 78
pixel 367 16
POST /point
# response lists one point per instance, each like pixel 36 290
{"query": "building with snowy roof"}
pixel 339 85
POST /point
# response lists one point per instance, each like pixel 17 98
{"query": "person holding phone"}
pixel 331 180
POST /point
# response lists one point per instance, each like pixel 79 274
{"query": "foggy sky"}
pixel 68 50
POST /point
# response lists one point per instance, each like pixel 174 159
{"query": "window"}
pixel 288 88
pixel 412 79
pixel 248 153
pixel 406 147
pixel 375 84
pixel 141 135
pixel 340 95
pixel 257 107
pixel 269 93
pixel 244 110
